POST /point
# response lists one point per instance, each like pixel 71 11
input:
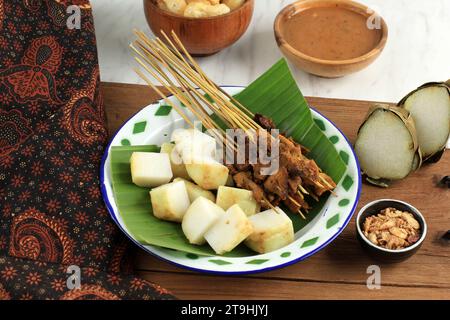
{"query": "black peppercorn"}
pixel 446 236
pixel 445 182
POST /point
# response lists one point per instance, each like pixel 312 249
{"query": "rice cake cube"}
pixel 150 169
pixel 176 163
pixel 229 231
pixel 207 172
pixel 272 230
pixel 194 191
pixel 200 216
pixel 228 196
pixel 170 201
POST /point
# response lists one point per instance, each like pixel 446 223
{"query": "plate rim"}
pixel 215 272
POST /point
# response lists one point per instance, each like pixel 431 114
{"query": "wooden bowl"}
pixel 201 36
pixel 321 67
pixel 380 253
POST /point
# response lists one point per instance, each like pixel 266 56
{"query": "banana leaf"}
pixel 276 95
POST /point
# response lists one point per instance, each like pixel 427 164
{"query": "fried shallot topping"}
pixel 392 229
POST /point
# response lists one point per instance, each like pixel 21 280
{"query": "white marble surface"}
pixel 418 49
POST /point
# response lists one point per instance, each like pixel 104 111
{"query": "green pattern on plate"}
pixel 125 142
pixel 309 242
pixel 285 254
pixel 334 139
pixel 139 127
pixel 343 202
pixel 320 124
pixel 344 156
pixel 219 262
pixel 192 256
pixel 163 110
pixel 257 261
pixel 332 221
pixel 347 182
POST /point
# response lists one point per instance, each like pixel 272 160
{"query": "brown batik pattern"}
pixel 52 137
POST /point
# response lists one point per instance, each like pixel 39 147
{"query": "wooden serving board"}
pixel 339 270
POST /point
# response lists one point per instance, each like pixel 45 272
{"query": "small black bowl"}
pixel 380 253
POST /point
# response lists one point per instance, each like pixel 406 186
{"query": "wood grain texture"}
pixel 339 270
pixel 188 286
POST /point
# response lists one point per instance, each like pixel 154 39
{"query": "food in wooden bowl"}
pixel 204 26
pixel 330 38
pixel 200 8
pixel 390 230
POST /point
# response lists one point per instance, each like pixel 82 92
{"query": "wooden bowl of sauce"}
pixel 330 38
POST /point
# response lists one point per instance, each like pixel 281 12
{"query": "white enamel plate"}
pixel 154 125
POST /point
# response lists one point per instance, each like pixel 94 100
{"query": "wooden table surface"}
pixel 339 271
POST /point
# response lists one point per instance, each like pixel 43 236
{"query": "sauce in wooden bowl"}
pixel 331 33
pixel 330 38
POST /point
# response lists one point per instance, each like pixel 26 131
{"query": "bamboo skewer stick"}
pixel 301 214
pixel 163 96
pixel 312 195
pixel 235 121
pixel 186 64
pixel 298 205
pixel 294 201
pixel 207 121
pixel 204 117
pixel 213 86
pixel 197 67
pixel 174 68
pixel 303 190
pixel 325 182
pixel 208 90
pixel 190 76
pixel 171 87
pixel 271 206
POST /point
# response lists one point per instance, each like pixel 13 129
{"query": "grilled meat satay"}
pixel 294 184
pixel 264 122
pixel 297 164
pixel 295 172
pixel 232 169
pixel 328 180
pixel 295 203
pixel 278 183
pixel 244 180
pixel 274 199
pixel 243 167
pixel 258 174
